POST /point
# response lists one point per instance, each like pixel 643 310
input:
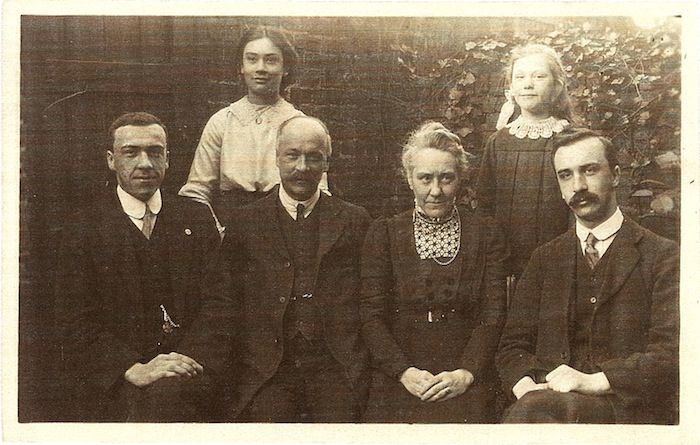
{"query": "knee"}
pixel 533 407
pixel 547 406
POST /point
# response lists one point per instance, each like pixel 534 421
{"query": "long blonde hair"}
pixel 563 106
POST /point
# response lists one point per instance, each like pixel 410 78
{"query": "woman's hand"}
pixel 417 381
pixel 448 384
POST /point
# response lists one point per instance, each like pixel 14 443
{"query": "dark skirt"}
pixel 434 347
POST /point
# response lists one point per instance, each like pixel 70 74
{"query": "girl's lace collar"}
pixel 545 128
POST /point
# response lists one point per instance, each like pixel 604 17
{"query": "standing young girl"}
pixel 516 182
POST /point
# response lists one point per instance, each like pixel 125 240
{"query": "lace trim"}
pixel 545 128
pixel 437 240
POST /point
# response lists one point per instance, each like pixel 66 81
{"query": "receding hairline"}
pixel 323 133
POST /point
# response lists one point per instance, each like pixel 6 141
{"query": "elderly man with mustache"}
pixel 592 332
pixel 283 328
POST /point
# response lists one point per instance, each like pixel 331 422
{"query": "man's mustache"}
pixel 578 198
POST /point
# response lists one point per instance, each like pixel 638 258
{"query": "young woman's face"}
pixel 533 86
pixel 262 67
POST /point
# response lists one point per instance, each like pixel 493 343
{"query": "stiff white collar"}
pixel 290 204
pixel 602 231
pixel 136 208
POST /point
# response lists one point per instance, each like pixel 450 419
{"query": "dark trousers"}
pixel 547 406
pixel 309 386
pixel 173 400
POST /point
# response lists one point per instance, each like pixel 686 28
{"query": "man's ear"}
pixel 110 160
pixel 616 174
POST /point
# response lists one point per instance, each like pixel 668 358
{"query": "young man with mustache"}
pixel 592 333
pixel 129 280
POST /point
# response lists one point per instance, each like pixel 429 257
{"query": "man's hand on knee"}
pixel 567 379
pixel 163 366
pixel 525 385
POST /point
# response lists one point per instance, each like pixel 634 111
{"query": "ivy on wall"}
pixel 625 83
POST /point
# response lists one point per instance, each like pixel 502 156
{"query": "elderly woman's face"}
pixel 533 86
pixel 434 181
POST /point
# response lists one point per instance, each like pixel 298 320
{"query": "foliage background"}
pixel 625 82
pixel 371 79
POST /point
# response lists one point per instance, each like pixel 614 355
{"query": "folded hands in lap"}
pixel 163 366
pixel 434 388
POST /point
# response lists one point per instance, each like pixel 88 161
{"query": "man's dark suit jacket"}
pixel 635 324
pixel 99 299
pixel 249 312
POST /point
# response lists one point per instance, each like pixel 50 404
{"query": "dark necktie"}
pixel 592 255
pixel 149 219
pixel 300 214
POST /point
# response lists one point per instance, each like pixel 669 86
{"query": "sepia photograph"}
pixel 382 222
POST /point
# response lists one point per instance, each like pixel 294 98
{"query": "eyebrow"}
pixel 141 146
pixel 253 53
pixel 583 166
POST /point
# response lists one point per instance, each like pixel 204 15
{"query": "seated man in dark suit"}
pixel 130 280
pixel 293 261
pixel 592 333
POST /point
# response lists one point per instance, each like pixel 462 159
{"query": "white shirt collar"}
pixel 290 204
pixel 602 231
pixel 136 208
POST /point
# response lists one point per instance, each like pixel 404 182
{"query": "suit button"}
pixel 282 299
pixel 276 340
pixel 297 364
pixel 593 300
pixel 562 355
pixel 287 264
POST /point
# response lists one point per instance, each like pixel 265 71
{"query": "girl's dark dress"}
pixel 517 185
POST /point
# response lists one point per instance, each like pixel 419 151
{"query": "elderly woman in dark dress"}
pixel 433 295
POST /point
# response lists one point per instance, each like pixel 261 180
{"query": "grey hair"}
pixel 434 135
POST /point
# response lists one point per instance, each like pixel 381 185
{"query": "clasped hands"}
pixel 163 366
pixel 434 388
pixel 565 379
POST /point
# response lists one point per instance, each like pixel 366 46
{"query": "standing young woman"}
pixel 516 182
pixel 234 163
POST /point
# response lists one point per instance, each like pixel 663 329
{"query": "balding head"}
pixel 305 127
pixel 303 148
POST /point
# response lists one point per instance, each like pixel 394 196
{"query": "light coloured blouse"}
pixel 237 151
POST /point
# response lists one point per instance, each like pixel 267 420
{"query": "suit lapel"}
pixel 267 221
pixel 119 255
pixel 330 224
pixel 560 283
pixel 179 252
pixel 624 256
